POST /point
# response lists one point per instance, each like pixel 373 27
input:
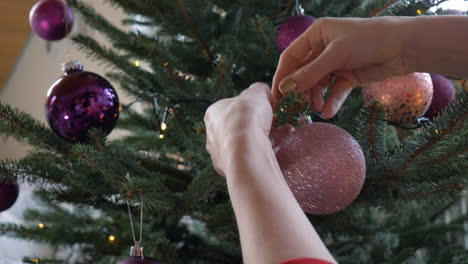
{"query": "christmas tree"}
pixel 198 52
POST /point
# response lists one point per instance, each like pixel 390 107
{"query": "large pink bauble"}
pixel 405 97
pixel 323 166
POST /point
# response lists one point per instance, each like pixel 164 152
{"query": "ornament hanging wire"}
pixel 65 20
pixel 141 222
pixel 305 120
pixel 418 124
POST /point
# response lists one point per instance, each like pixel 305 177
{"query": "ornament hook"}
pixel 298 10
pixel 305 120
pixel 137 242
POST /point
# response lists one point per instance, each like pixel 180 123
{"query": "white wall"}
pixel 26 89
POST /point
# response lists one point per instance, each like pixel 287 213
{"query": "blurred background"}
pixel 29 65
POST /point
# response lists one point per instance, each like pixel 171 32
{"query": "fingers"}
pixel 316 94
pixel 375 72
pixel 339 92
pixel 257 88
pixel 277 135
pixel 294 56
pixel 216 108
pixel 259 92
pixel 309 76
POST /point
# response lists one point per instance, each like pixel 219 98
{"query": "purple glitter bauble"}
pixel 292 28
pixel 454 12
pixel 140 260
pixel 8 195
pixel 444 94
pixel 323 166
pixel 405 97
pixel 80 101
pixel 51 19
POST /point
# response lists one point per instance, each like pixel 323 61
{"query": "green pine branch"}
pixel 24 128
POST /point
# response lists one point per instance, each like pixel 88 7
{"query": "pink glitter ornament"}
pixel 292 28
pixel 323 166
pixel 405 97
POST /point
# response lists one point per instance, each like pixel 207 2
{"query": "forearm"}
pixel 273 227
pixel 436 44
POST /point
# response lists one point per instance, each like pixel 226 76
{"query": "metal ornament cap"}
pixel 137 250
pixel 71 67
pixel 137 256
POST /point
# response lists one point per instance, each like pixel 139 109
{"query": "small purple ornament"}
pixel 140 260
pixel 51 19
pixel 444 94
pixel 453 12
pixel 137 256
pixel 8 195
pixel 80 101
pixel 323 166
pixel 291 29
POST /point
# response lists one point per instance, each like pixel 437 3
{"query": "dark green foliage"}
pixel 204 51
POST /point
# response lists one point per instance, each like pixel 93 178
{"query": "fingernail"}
pixel 287 86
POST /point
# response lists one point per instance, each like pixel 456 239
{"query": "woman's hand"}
pixel 354 50
pixel 229 122
pixel 272 226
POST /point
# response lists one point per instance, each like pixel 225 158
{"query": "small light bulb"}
pixel 163 126
pixel 137 63
pixel 161 136
pixel 419 11
pixel 41 225
pixel 166 63
pixel 111 238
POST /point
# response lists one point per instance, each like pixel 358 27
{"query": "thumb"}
pixel 277 135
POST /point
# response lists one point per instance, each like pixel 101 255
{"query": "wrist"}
pixel 243 139
pixel 400 33
pixel 245 148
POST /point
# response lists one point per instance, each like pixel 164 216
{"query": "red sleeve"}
pixel 306 261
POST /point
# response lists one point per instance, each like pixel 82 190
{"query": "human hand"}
pixel 230 121
pixel 355 51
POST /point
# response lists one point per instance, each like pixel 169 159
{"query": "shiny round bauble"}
pixel 140 260
pixel 452 12
pixel 8 195
pixel 291 29
pixel 405 98
pixel 323 165
pixel 51 19
pixel 444 94
pixel 80 101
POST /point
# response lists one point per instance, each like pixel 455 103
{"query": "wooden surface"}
pixel 14 31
